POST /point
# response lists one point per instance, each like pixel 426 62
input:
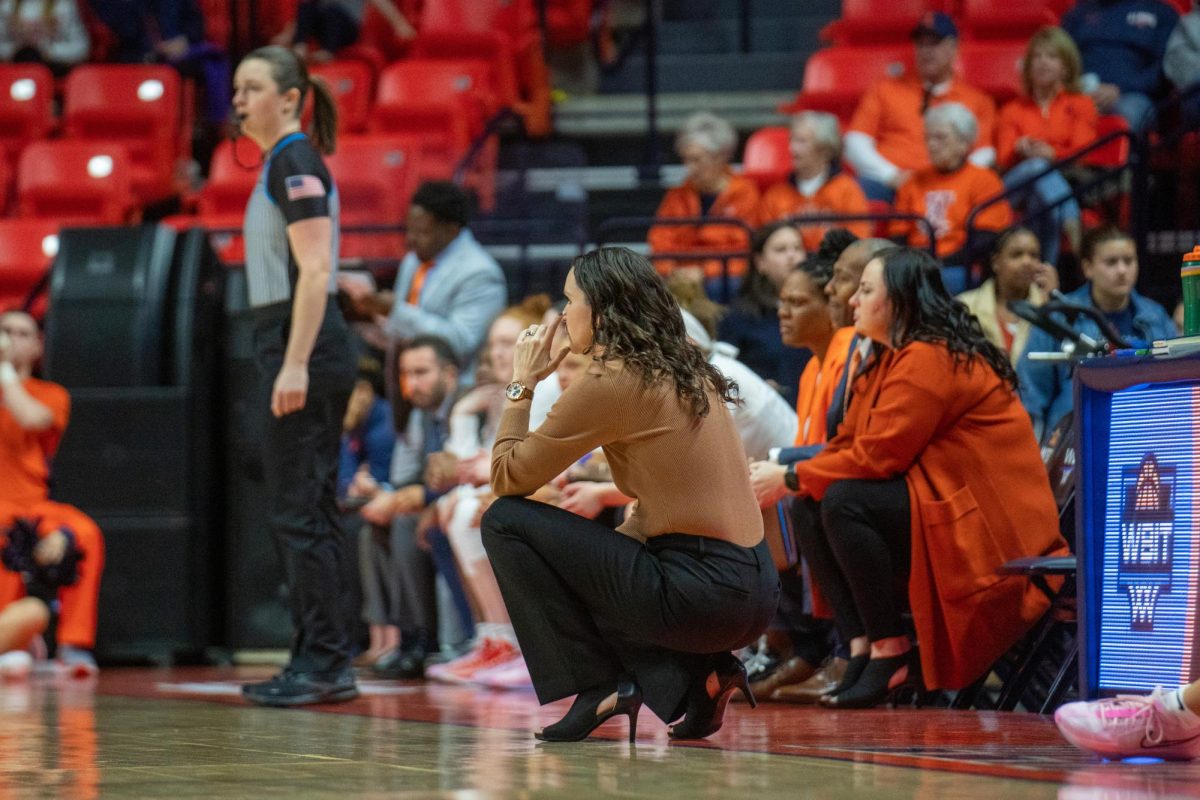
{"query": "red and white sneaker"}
pixel 1127 726
pixel 488 653
pixel 512 674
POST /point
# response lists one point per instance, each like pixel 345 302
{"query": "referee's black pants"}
pixel 300 462
pixel 590 605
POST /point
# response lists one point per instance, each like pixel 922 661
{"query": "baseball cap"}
pixel 935 23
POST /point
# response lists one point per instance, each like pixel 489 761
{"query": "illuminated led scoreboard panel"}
pixel 1138 445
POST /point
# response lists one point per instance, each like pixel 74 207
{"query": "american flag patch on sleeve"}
pixel 300 187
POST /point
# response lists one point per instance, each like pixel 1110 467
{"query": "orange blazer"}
pixel 739 199
pixel 979 492
pixel 946 200
pixel 841 194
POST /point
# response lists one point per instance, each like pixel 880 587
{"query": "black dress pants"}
pixel 590 605
pixel 300 462
pixel 858 542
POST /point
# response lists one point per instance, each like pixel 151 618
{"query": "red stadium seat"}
pixel 222 201
pixel 73 182
pixel 5 185
pixel 1005 19
pixel 506 34
pixel 217 21
pixel 27 249
pixel 1116 152
pixel 568 22
pixel 836 78
pixel 992 67
pixel 137 106
pixel 441 101
pixel 375 176
pixel 352 84
pixel 26 106
pixel 768 157
pixel 877 21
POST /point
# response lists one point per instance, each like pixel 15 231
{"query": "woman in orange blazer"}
pixel 933 481
pixel 711 189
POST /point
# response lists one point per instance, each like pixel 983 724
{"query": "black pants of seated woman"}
pixel 590 605
pixel 857 541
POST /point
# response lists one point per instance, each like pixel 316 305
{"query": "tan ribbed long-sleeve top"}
pixel 688 475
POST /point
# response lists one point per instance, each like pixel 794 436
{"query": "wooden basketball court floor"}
pixel 185 733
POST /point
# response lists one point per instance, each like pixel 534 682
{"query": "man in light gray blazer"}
pixel 448 285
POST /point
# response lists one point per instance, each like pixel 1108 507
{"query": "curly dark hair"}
pixel 635 319
pixel 923 311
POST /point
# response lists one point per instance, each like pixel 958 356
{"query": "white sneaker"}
pixel 77 662
pixel 1127 726
pixel 15 665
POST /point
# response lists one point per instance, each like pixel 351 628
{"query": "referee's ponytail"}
pixel 324 118
pixel 289 72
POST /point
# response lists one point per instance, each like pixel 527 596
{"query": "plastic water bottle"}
pixel 1190 277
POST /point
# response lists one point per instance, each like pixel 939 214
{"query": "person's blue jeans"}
pixel 1137 109
pixel 1043 193
pixel 877 190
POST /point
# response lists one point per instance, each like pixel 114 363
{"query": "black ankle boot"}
pixel 706 713
pixel 583 718
pixel 879 680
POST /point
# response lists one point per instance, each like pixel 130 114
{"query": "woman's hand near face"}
pixel 1046 278
pixel 533 361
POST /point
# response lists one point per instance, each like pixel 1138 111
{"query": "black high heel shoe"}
pixel 706 713
pixel 854 671
pixel 879 681
pixel 584 716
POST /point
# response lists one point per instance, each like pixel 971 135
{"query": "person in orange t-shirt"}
pixel 884 143
pixel 711 189
pixel 1052 119
pixel 947 191
pixel 33 417
pixel 814 188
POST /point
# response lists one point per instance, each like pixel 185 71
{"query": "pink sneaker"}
pixel 1127 726
pixel 512 674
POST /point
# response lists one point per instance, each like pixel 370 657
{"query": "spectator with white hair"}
pixel 946 191
pixel 817 185
pixel 706 144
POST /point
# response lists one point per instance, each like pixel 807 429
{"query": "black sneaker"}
pixel 401 665
pixel 290 688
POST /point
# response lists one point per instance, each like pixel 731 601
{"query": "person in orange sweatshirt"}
pixel 883 141
pixel 815 187
pixel 928 488
pixel 946 191
pixel 711 189
pixel 33 417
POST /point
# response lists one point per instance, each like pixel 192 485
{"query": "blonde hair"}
pixel 1060 43
pixel 529 311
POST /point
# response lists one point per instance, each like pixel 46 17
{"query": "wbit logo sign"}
pixel 1147 537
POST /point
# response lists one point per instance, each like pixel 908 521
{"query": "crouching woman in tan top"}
pixel 651 611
